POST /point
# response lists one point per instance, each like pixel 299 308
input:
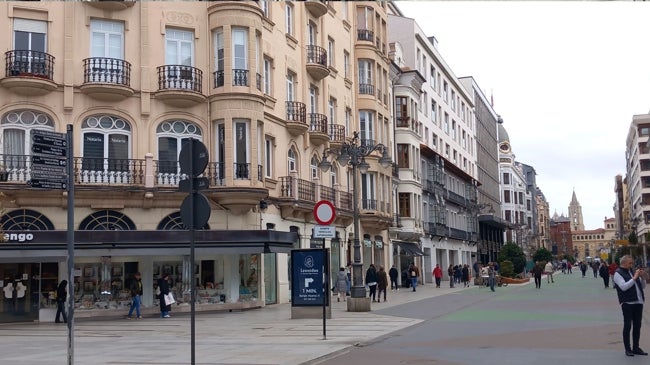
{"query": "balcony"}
pixel 112 5
pixel 180 85
pixel 375 215
pixel 218 79
pixel 456 198
pixel 316 8
pixel 296 118
pixel 107 79
pixel 336 135
pixel 298 196
pixel 402 122
pixel 366 89
pixel 318 129
pixel 365 35
pixel 317 62
pixel 29 73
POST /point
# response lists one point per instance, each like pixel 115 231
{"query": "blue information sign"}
pixel 307 277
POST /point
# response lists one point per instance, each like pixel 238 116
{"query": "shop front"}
pixel 232 270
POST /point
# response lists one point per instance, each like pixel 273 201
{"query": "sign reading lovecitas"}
pixel 307 277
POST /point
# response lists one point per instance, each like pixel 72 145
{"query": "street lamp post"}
pixel 354 153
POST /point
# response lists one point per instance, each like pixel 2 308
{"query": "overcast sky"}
pixel 566 77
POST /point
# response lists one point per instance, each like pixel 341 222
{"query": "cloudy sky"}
pixel 566 77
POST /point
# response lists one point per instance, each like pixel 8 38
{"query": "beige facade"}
pixel 268 87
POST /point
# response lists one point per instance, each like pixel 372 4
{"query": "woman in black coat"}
pixel 163 285
pixel 61 296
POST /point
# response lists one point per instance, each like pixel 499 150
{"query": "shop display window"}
pixel 249 272
pixel 101 286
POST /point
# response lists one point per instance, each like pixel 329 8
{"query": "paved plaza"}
pixel 577 314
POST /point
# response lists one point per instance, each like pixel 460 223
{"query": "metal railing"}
pixel 337 133
pixel 317 123
pixel 180 77
pixel 316 54
pixel 327 193
pixel 296 112
pixel 402 122
pixel 367 89
pixel 239 77
pixel 29 63
pixel 218 78
pixel 365 35
pixel 107 70
pixel 369 204
pixel 345 200
pixel 242 170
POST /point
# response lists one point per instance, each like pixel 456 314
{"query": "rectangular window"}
pixel 365 72
pixel 107 39
pixel 290 86
pixel 506 178
pixel 331 106
pixel 348 116
pixel 446 125
pixel 404 204
pixel 506 196
pixel 401 111
pixel 346 64
pixel 289 18
pixel 368 196
pixel 403 155
pixel 453 100
pixel 508 215
pixel 29 39
pixel 330 52
pixel 268 157
pixel 179 47
pixel 264 5
pixel 432 77
pixel 241 147
pixel 521 198
pixel 268 66
pixel 240 48
pixel 366 123
pixel 167 155
pixel 445 92
pixel 453 130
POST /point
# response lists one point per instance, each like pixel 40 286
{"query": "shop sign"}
pixel 18 237
pixel 307 277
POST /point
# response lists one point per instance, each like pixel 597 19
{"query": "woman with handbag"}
pixel 163 285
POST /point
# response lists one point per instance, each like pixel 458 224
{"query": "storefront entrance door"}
pixel 20 292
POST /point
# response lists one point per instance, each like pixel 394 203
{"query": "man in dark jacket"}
pixel 629 288
pixel 393 273
pixel 136 296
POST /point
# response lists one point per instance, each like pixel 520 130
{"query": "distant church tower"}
pixel 575 214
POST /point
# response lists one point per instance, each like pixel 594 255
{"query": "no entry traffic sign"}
pixel 324 212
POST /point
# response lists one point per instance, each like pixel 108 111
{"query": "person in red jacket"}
pixel 437 274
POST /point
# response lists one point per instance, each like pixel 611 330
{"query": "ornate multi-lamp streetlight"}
pixel 354 153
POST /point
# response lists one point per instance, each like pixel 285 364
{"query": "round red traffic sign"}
pixel 324 212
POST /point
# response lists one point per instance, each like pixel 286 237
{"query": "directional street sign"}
pixel 48 141
pixel 49 150
pixel 43 133
pixel 48 161
pixel 324 231
pixel 55 171
pixel 47 184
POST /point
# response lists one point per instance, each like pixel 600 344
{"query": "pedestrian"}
pixel 450 272
pixel 612 270
pixel 136 296
pixel 629 288
pixel 491 275
pixel 382 283
pixel 537 274
pixel 61 296
pixel 341 284
pixel 548 270
pixel 393 273
pixel 414 273
pixel 437 274
pixel 564 267
pixel 603 271
pixel 583 268
pixel 477 269
pixel 568 267
pixel 465 275
pixel 163 285
pixel 458 274
pixel 371 281
pixel 594 267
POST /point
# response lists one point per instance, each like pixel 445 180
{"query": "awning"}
pixel 410 248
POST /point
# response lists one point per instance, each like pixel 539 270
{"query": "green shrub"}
pixel 507 269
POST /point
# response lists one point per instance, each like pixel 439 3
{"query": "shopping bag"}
pixel 169 299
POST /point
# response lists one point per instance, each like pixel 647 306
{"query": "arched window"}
pixel 106 143
pixel 171 135
pixel 291 166
pixel 16 135
pixel 107 220
pixel 174 222
pixel 334 175
pixel 25 220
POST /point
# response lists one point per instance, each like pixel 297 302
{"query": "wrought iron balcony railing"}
pixel 365 35
pixel 337 133
pixel 218 79
pixel 316 54
pixel 29 63
pixel 366 89
pixel 317 123
pixel 180 77
pixel 296 112
pixel 239 77
pixel 107 71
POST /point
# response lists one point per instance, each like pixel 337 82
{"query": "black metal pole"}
pixel 357 290
pixel 192 231
pixel 326 287
pixel 70 242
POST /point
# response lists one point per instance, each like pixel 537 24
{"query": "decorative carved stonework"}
pixel 179 18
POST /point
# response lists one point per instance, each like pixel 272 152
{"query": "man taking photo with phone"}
pixel 629 287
